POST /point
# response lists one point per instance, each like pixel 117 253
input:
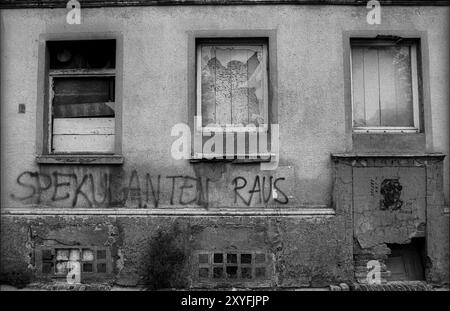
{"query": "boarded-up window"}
pixel 232 83
pixel 385 85
pixel 82 96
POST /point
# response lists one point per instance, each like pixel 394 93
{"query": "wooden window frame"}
pixel 232 128
pixel 374 42
pixel 43 132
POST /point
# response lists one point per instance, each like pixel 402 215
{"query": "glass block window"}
pixel 220 266
pixel 58 261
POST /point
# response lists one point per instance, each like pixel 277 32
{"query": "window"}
pixel 385 85
pixel 57 262
pixel 81 97
pixel 240 266
pixel 232 89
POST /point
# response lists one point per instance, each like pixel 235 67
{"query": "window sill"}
pixel 392 130
pixel 80 159
pixel 223 158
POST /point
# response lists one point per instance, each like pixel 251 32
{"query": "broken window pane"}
pixel 232 84
pixel 62 254
pixel 88 255
pixel 74 255
pixel 62 267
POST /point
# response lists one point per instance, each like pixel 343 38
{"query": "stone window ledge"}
pixel 387 155
pixel 80 159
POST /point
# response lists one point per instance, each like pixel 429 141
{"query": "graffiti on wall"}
pixel 106 189
pixel 391 190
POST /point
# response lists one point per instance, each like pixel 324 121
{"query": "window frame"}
pixel 232 42
pixel 415 78
pixel 71 73
pixel 43 132
pixel 195 36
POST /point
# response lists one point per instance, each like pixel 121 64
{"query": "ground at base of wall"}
pixel 390 286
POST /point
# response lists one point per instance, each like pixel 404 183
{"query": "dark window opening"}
pixel 86 54
pixel 218 258
pixel 203 272
pixel 231 272
pixel 231 258
pixel 406 261
pixel 217 272
pixel 246 258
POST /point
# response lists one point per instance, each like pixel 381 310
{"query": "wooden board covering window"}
pixel 75 135
pixel 83 114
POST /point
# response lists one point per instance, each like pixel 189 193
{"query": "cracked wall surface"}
pixel 417 210
pixel 306 251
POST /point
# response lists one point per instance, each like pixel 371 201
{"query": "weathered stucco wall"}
pixel 159 251
pixel 310 81
pixel 307 250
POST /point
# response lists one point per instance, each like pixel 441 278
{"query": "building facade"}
pixel 331 163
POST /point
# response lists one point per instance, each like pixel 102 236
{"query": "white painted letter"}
pixel 374 15
pixel 374 274
pixel 74 15
pixel 274 149
pixel 181 148
pixel 73 277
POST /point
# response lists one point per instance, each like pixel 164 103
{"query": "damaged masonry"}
pixel 310 148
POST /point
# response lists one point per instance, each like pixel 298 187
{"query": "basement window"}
pixel 232 266
pixel 81 97
pixel 406 261
pixel 57 262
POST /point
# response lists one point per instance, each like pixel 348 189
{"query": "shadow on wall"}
pixel 166 260
pixel 19 278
